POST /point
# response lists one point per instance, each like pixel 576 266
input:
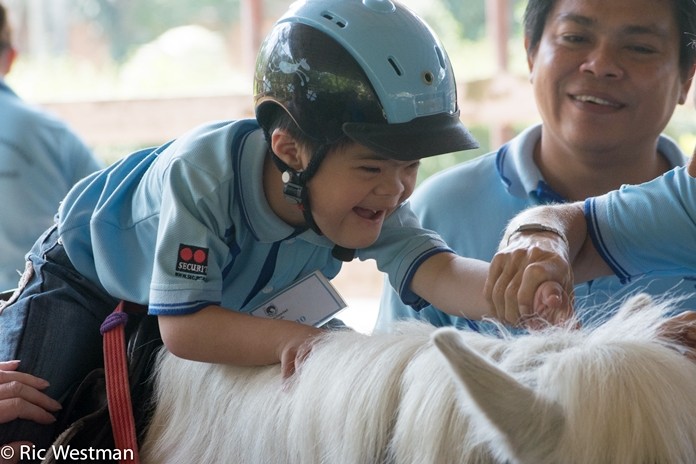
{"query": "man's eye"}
pixel 573 39
pixel 642 49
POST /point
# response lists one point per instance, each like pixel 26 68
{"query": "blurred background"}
pixel 126 74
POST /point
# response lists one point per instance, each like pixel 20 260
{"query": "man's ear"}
pixel 686 85
pixel 286 148
pixel 530 54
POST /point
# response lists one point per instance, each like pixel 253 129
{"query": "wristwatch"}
pixel 538 227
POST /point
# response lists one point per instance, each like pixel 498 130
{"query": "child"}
pixel 349 95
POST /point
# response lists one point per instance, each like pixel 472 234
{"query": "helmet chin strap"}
pixel 296 192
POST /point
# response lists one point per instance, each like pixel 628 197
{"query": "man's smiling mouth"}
pixel 595 100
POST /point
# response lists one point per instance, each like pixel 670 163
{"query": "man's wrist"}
pixel 537 227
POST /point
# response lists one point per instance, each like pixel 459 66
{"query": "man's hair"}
pixel 537 12
pixel 5 32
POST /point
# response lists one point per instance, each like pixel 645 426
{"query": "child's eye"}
pixel 370 169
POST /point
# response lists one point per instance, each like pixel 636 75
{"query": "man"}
pixel 40 159
pixel 607 77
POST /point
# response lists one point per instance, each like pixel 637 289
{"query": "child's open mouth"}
pixel 367 213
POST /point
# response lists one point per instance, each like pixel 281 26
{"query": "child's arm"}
pixel 217 335
pixel 453 284
pixel 456 285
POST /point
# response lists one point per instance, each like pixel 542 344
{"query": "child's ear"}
pixel 286 148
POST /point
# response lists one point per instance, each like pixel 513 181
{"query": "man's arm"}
pixel 542 244
pixel 456 284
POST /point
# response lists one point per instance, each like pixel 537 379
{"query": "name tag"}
pixel 311 300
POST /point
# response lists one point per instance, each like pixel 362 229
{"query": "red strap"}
pixel 117 384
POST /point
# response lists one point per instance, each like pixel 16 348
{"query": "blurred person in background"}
pixel 41 158
pixel 607 77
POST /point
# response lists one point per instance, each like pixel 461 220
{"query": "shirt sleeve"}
pixel 647 228
pixel 190 252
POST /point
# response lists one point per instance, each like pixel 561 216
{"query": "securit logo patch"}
pixel 192 262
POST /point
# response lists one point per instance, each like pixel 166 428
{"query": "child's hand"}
pixel 552 306
pixel 682 329
pixel 296 349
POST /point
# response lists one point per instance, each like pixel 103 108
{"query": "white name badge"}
pixel 311 300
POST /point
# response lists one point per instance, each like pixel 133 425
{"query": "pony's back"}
pixel 613 394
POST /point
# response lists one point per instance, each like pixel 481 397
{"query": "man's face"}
pixel 606 73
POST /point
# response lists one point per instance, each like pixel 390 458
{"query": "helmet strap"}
pixel 295 184
pixel 296 192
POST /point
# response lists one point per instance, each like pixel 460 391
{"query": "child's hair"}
pixel 279 119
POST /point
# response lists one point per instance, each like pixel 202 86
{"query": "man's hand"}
pixel 514 285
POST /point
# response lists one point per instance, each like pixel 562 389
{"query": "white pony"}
pixel 618 393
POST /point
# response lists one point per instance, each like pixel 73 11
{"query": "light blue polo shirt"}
pixel 470 205
pixel 187 225
pixel 649 229
pixel 41 158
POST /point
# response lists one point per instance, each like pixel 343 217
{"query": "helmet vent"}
pixel 334 19
pixel 395 65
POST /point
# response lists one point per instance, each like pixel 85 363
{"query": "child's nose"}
pixel 390 185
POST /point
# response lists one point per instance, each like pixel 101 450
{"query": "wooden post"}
pixel 498 27
pixel 252 31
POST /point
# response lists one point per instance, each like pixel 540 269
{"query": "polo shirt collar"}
pixel 515 163
pixel 522 178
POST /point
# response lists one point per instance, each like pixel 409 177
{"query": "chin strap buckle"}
pixel 292 187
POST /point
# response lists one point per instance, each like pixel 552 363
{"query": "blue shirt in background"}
pixel 41 158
